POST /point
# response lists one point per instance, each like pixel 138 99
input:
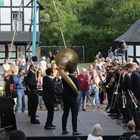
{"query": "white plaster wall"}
pixel 138 59
pixel 5 27
pixel 27 15
pixel 16 2
pixel 26 2
pixel 137 50
pixel 7 2
pixel 5 15
pixel 130 50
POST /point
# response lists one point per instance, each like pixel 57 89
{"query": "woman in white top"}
pixel 6 67
pixel 94 88
pixel 96 133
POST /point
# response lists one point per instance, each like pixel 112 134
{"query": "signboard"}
pixel 1 2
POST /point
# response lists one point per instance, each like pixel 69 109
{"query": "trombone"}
pixel 124 100
pixel 114 97
pixel 111 81
pixel 133 98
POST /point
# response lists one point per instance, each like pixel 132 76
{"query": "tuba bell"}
pixel 63 58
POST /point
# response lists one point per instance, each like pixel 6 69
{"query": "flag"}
pixel 1 2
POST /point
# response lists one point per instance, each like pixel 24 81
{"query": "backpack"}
pixel 58 86
pixel 13 92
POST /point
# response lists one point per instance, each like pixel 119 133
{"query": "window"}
pixel 17 22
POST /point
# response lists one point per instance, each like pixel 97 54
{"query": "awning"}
pixel 21 37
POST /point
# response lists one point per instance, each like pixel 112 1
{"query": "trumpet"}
pixel 111 81
pixel 133 98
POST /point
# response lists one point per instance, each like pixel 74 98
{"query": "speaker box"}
pixel 34 58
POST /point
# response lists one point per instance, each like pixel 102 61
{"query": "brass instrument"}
pixel 133 98
pixel 124 100
pixel 111 81
pixel 64 58
pixel 114 97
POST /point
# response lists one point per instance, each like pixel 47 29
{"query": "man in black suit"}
pixel 31 82
pixel 48 97
pixel 69 98
pixel 135 87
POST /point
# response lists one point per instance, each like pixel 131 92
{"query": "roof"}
pixel 132 35
pixel 21 37
pixel 39 3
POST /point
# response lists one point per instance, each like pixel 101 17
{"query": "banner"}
pixel 1 2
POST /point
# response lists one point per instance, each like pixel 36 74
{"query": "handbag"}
pixel 92 92
pixel 13 91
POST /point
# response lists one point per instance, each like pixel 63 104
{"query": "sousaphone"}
pixel 63 58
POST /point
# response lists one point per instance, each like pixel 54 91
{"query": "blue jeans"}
pixel 95 90
pixel 81 98
pixel 20 100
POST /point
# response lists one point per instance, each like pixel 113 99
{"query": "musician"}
pixel 69 98
pixel 116 98
pixel 48 97
pixel 31 82
pixel 110 84
pixel 125 101
pixel 135 88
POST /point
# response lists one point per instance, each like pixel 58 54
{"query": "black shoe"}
pixel 64 132
pixel 76 133
pixel 49 127
pixel 83 109
pixel 53 125
pixel 35 121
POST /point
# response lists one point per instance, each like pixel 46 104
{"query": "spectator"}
pixel 18 82
pixel 98 55
pixel 42 65
pixel 40 87
pixel 17 135
pixel 6 67
pixel 131 126
pixel 83 88
pixel 134 137
pixel 96 133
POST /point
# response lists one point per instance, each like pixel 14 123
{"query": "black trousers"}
pixel 135 114
pixel 32 104
pixel 74 111
pixel 50 115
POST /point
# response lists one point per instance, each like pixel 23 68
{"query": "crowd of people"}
pixel 112 79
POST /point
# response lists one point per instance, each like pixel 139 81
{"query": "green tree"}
pixel 92 23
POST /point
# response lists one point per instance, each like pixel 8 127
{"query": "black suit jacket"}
pixel 48 89
pixel 31 80
pixel 68 93
pixel 135 85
